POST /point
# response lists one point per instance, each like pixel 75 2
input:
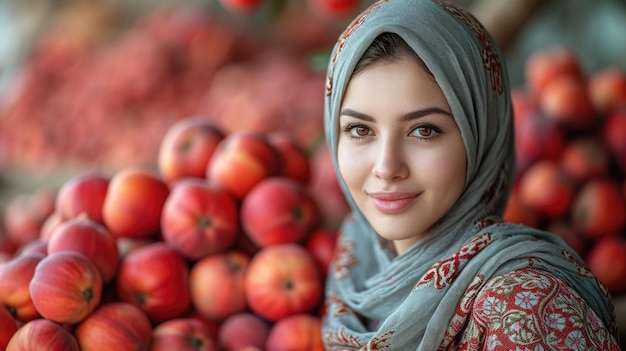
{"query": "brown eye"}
pixel 424 131
pixel 361 131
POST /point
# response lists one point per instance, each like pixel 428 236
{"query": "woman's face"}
pixel 400 151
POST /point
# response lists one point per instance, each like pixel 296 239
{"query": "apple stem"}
pixel 140 298
pixel 204 222
pixel 195 343
pixel 185 146
pixel 298 213
pixel 233 266
pixel 88 294
pixel 288 284
pixel 12 310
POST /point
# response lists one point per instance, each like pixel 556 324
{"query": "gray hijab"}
pixel 375 299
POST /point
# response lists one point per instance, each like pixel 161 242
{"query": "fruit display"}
pixel 571 147
pixel 149 261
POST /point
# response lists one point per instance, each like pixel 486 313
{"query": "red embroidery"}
pixel 341 308
pixel 443 272
pixel 458 321
pixel 491 62
pixel 341 337
pixel 585 272
pixel 380 342
pixel 344 259
pixel 488 221
pixel 341 42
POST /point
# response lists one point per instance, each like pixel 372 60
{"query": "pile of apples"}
pixel 571 147
pixel 224 246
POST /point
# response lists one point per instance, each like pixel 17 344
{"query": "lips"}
pixel 390 203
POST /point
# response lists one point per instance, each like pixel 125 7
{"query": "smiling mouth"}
pixel 392 203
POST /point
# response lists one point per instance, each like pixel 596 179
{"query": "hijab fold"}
pixel 372 294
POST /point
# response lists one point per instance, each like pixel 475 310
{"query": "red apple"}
pixel 217 284
pixel 294 160
pixel 565 100
pixel 49 225
pixel 15 277
pixel 199 218
pixel 183 334
pixel 607 89
pixel 84 193
pixel 187 148
pixel 7 248
pixel 42 334
pixel 156 279
pixel 133 204
pixel 325 188
pixel 283 280
pixel 84 235
pixel 278 210
pixel 599 208
pixel 8 326
pixel 334 8
pixel 321 244
pixel 543 66
pixel 614 132
pixel 37 247
pixel 66 287
pixel 300 332
pixel 517 211
pixel 115 326
pixel 243 330
pixel 538 138
pixel 607 261
pixel 586 157
pixel 241 6
pixel 241 161
pixel 547 189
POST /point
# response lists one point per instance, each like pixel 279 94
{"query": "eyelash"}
pixel 347 129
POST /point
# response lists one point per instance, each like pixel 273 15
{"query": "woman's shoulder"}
pixel 531 306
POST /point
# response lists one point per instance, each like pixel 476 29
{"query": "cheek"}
pixel 351 166
pixel 452 168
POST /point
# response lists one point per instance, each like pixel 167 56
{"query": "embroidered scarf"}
pixel 376 300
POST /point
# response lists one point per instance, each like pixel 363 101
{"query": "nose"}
pixel 390 164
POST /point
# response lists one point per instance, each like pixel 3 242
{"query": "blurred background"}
pixel 95 84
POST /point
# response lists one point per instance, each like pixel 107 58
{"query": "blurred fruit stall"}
pixel 111 107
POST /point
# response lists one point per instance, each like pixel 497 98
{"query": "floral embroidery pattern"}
pixel 341 308
pixel 488 54
pixel 487 221
pixel 457 323
pixel 380 342
pixel 341 337
pixel 344 259
pixel 530 309
pixel 443 272
pixel 585 272
pixel 341 42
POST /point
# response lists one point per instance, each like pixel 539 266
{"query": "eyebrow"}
pixel 407 117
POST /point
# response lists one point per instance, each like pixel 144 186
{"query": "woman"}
pixel 419 122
